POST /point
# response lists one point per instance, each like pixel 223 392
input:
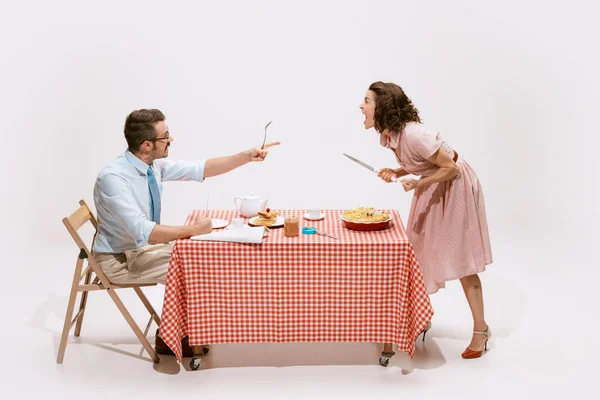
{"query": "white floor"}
pixel 541 309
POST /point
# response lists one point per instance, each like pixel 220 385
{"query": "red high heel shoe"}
pixel 468 353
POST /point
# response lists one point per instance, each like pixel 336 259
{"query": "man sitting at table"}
pixel 131 244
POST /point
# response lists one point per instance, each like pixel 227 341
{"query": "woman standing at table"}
pixel 447 224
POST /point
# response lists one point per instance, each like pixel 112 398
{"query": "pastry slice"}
pixel 268 214
pixel 264 222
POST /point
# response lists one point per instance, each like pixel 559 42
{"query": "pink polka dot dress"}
pixel 447 225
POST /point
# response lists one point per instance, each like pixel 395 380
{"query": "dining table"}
pixel 347 286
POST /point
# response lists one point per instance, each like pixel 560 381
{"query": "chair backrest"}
pixel 76 220
pixel 73 223
pixel 81 216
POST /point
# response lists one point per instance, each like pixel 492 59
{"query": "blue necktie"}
pixel 154 197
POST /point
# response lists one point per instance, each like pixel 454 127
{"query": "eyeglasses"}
pixel 166 137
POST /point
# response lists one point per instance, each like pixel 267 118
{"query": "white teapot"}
pixel 249 205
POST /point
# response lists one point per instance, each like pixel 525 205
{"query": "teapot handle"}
pixel 235 202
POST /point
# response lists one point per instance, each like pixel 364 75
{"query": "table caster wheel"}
pixel 195 363
pixel 384 361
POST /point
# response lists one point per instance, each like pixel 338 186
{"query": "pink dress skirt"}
pixel 447 225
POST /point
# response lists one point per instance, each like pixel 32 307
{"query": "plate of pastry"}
pixel 268 218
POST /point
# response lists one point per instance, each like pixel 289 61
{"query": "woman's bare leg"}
pixel 472 287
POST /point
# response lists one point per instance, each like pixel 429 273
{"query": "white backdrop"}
pixel 511 85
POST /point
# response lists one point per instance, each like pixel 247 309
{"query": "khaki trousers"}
pixel 146 264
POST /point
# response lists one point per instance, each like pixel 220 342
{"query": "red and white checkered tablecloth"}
pixel 363 287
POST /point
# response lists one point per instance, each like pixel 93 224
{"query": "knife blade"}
pixel 367 166
pixel 356 160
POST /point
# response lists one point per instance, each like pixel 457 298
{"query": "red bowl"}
pixel 366 226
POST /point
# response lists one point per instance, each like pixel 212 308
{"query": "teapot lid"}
pixel 251 196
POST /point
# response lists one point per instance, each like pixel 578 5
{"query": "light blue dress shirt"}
pixel 122 199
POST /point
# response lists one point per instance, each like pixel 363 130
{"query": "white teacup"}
pixel 314 213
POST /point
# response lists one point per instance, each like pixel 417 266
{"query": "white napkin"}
pixel 244 234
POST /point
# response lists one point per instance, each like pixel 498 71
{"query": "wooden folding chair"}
pixel 100 282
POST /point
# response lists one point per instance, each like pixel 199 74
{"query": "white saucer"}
pixel 278 222
pixel 219 223
pixel 313 219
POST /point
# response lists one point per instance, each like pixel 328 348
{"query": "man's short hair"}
pixel 139 127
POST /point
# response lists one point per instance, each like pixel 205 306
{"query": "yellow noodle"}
pixel 363 214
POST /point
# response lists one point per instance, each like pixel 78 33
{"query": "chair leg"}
pixel 133 325
pixel 148 305
pixel 82 304
pixel 69 314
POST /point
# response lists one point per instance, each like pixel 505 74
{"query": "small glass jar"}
pixel 291 227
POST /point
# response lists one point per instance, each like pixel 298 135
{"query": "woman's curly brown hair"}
pixel 393 109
